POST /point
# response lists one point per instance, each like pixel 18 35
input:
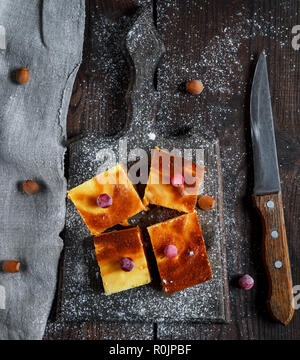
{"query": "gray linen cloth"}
pixel 46 37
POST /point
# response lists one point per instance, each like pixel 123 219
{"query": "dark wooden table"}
pixel 219 42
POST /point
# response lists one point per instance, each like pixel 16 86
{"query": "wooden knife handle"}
pixel 276 257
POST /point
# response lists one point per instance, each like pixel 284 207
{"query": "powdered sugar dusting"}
pixel 220 63
pixel 220 68
pixel 83 296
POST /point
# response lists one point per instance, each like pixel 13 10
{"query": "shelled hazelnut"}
pixel 194 87
pixel 30 187
pixel 206 203
pixel 11 266
pixel 22 75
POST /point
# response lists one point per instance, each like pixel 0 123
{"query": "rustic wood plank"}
pixel 82 298
pixel 59 330
pixel 118 331
pixel 195 35
pixel 98 103
pixel 217 112
pixel 98 331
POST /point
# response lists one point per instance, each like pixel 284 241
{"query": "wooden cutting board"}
pixel 82 296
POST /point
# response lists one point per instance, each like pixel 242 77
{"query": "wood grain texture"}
pixel 275 252
pixel 93 106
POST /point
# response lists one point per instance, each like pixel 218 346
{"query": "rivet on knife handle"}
pixel 276 257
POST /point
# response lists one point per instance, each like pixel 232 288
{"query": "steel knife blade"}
pixel 266 172
pixel 268 199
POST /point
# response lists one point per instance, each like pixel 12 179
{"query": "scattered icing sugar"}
pixel 216 114
pixel 152 136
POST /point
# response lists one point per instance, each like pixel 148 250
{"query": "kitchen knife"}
pixel 267 197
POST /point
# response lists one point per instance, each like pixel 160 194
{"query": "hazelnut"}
pixel 194 87
pixel 206 203
pixel 30 187
pixel 22 75
pixel 11 266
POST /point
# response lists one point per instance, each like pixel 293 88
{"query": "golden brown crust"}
pixel 110 248
pixel 191 266
pixel 159 190
pixel 118 244
pixel 126 201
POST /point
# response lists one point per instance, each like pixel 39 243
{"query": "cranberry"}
pixel 171 251
pixel 127 264
pixel 177 180
pixel 246 282
pixel 104 201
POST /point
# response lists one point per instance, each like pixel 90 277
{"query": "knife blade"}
pixel 268 199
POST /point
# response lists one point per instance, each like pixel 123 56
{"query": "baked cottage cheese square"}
pixel 180 252
pixel 106 200
pixel 164 187
pixel 122 261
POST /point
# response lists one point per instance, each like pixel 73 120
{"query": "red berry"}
pixel 170 251
pixel 177 180
pixel 104 201
pixel 127 264
pixel 246 282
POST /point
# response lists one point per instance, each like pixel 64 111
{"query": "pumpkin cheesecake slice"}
pixel 106 200
pixel 121 259
pixel 173 182
pixel 180 252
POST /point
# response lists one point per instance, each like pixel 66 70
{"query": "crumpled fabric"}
pixel 47 38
